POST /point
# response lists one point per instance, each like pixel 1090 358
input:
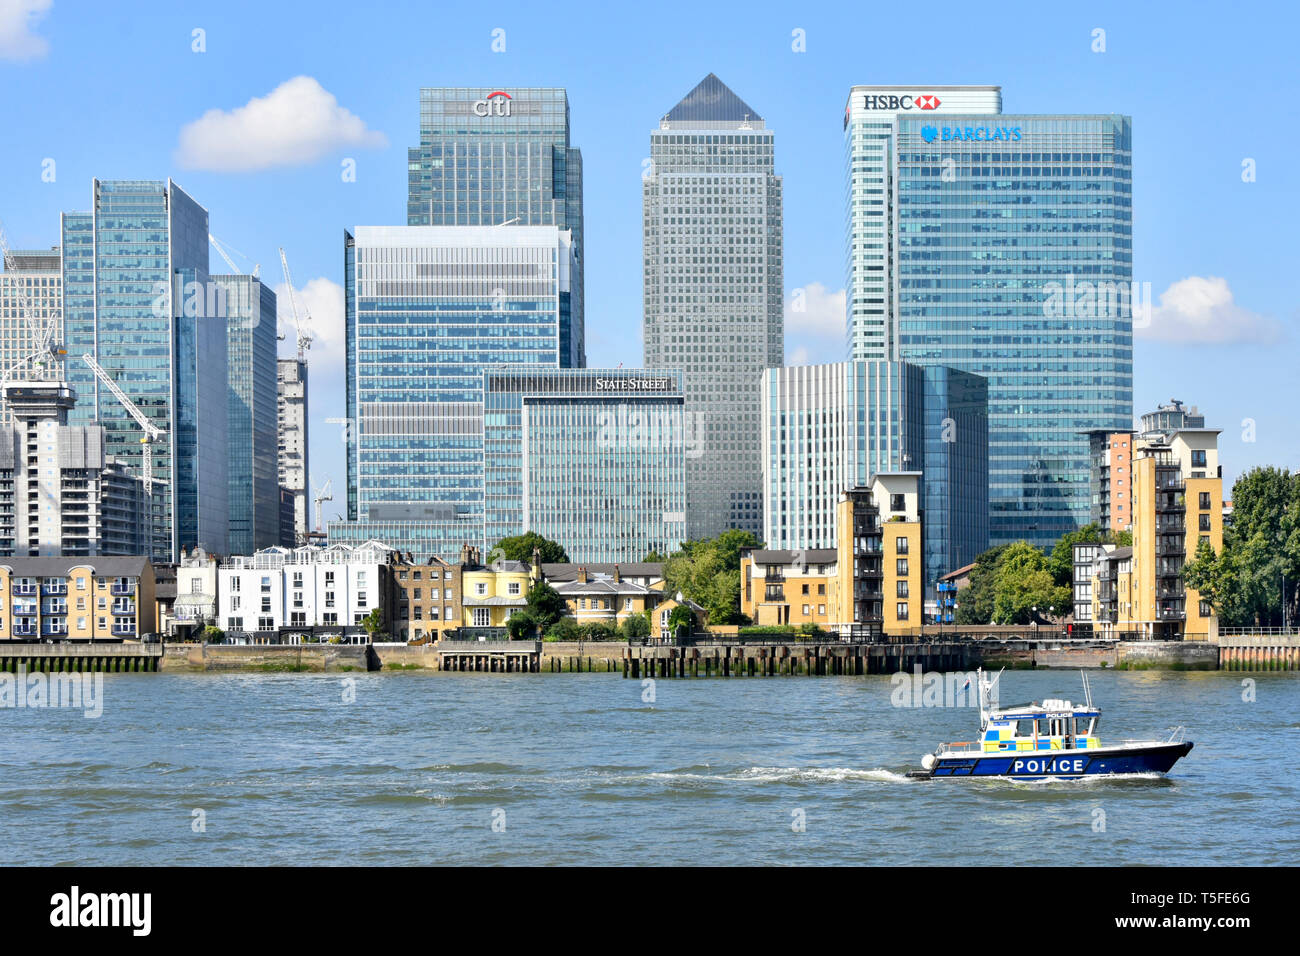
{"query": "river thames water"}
pixel 424 768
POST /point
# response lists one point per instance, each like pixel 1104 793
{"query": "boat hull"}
pixel 1062 764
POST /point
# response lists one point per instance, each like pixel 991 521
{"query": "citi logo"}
pixel 496 103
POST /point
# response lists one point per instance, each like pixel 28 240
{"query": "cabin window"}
pixel 1024 728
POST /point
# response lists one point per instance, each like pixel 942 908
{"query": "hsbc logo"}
pixel 496 103
pixel 893 101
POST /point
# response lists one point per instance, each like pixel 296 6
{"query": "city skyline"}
pixel 1201 231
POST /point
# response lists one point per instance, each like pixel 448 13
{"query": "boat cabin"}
pixel 1051 725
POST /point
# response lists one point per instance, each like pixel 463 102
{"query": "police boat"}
pixel 1051 740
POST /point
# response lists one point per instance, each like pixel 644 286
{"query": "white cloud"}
pixel 296 123
pixel 1201 310
pixel 322 300
pixel 814 325
pixel 17 20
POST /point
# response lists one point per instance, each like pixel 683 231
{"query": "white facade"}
pixel 36 284
pixel 870 133
pixel 196 589
pixel 304 587
pixel 830 428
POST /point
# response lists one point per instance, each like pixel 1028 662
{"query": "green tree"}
pixel 520 548
pixel 635 627
pixel 1261 544
pixel 975 601
pixel 681 616
pixel 213 634
pixel 522 625
pixel 708 572
pixel 373 623
pixel 1022 582
pixel 1061 559
pixel 545 606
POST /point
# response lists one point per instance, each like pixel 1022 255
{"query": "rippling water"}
pixel 576 768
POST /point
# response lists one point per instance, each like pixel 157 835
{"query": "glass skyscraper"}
pixel 592 458
pixel 980 241
pixel 1014 260
pixel 252 430
pixel 428 308
pixel 137 298
pixel 713 293
pixel 489 157
pixel 832 427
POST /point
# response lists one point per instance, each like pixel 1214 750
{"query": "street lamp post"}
pixel 1035 609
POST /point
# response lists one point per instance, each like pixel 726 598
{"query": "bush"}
pixel 565 629
pixel 768 630
pixel 635 627
pixel 213 635
pixel 810 632
pixel 598 631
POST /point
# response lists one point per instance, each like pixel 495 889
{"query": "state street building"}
pixel 592 458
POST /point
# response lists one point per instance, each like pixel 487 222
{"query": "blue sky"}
pixel 106 90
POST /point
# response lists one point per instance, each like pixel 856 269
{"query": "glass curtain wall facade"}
pixel 830 428
pixel 592 458
pixel 870 135
pixel 491 156
pixel 713 293
pixel 427 310
pixel 253 415
pixel 833 427
pixel 137 298
pixel 1014 261
pixel 955 484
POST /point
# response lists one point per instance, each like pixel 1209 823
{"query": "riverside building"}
pixel 713 293
pixel 61 493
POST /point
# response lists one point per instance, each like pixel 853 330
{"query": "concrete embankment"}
pixel 269 658
pixel 723 659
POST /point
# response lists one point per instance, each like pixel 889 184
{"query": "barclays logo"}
pixel 929 134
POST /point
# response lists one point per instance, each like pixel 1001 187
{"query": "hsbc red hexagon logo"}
pixel 927 102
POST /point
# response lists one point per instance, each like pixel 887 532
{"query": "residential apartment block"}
pixel 869 584
pixel 425 598
pixel 1138 592
pixel 96 599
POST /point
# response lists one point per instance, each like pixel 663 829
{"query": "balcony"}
pixel 24 590
pixel 54 587
pixel 24 631
pixel 24 610
pixel 120 608
pixel 122 589
pixel 124 629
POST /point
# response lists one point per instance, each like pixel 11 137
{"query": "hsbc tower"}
pixel 963 222
pixel 870 133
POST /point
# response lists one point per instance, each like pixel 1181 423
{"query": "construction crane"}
pixel 221 250
pixel 45 352
pixel 323 494
pixel 151 431
pixel 300 322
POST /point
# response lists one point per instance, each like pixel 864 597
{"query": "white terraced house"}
pixel 302 591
